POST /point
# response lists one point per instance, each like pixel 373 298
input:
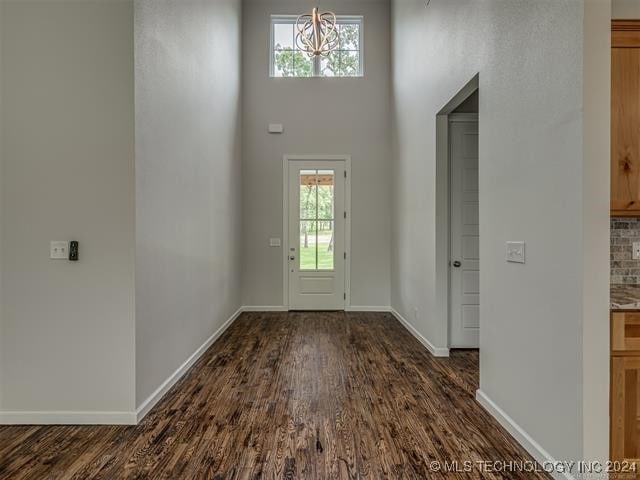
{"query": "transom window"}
pixel 287 60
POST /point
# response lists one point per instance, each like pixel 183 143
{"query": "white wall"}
pixel 353 117
pixel 188 185
pixel 67 174
pixel 534 184
pixel 1 196
pixel 625 8
pixel 595 213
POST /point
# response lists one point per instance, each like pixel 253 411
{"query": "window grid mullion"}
pixel 355 21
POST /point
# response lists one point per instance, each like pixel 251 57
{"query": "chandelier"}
pixel 317 33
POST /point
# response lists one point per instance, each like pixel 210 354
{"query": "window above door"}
pixel 287 60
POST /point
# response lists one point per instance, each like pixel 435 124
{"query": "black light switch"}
pixel 73 251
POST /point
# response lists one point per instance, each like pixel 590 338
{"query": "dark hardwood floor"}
pixel 289 395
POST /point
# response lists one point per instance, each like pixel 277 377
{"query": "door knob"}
pixel 457 264
pixel 292 258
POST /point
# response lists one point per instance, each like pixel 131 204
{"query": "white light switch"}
pixel 59 250
pixel 274 242
pixel 636 250
pixel 515 252
pixel 276 128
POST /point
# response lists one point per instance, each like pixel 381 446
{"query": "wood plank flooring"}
pixel 289 396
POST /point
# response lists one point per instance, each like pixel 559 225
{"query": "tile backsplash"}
pixel 624 231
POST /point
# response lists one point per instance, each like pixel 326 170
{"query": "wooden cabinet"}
pixel 625 431
pixel 625 118
pixel 625 332
pixel 625 386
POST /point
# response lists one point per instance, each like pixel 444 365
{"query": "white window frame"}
pixel 340 19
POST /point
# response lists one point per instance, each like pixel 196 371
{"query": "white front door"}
pixel 464 292
pixel 316 256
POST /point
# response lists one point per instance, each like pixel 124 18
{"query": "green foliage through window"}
pixel 289 61
pixel 293 63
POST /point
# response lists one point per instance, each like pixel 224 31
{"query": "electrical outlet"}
pixel 636 250
pixel 59 250
pixel 516 252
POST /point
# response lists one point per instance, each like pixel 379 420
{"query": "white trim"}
pixel 455 332
pixel 368 308
pixel 340 19
pixel 11 417
pixel 270 308
pixel 442 201
pixel 285 220
pixel 443 244
pixel 463 117
pixel 355 308
pixel 519 434
pixel 435 351
pixel 285 231
pixel 155 397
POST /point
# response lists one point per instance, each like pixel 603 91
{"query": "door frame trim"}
pixel 443 217
pixel 285 220
pixel 468 118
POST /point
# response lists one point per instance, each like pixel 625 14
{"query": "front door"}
pixel 317 256
pixel 464 293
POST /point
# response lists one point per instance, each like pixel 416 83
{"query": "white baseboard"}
pixel 271 308
pixel 155 397
pixel 281 308
pixel 9 417
pixel 521 436
pixel 435 351
pixel 367 308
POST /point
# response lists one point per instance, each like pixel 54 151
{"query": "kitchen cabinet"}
pixel 625 386
pixel 625 118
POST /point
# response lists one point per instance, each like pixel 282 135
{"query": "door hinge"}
pixel 345 295
pixel 345 255
pixel 345 214
pixel 345 174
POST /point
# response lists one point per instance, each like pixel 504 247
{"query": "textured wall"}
pixel 625 9
pixel 320 116
pixel 67 174
pixel 188 184
pixel 534 178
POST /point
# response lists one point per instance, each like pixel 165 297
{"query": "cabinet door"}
pixel 625 131
pixel 625 408
pixel 625 332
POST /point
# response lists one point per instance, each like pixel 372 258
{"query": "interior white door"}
pixel 317 255
pixel 464 292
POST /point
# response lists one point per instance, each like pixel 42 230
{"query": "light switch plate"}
pixel 516 252
pixel 636 250
pixel 275 242
pixel 59 250
pixel 276 128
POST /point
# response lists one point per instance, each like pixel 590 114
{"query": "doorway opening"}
pixel 457 214
pixel 316 218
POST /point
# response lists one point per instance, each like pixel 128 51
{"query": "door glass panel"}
pixel 325 194
pixel 317 199
pixel 325 245
pixel 308 245
pixel 308 194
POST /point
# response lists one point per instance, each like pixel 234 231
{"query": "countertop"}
pixel 625 297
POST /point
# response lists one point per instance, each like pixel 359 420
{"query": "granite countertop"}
pixel 625 297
